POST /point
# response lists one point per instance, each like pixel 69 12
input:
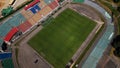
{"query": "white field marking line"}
pixel 111 36
pixel 98 28
pixel 98 22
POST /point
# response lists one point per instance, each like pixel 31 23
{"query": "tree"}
pixel 116 1
pixel 118 8
pixel 116 44
pixel 7 11
pixel 117 52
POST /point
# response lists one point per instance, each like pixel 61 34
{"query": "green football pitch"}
pixel 59 40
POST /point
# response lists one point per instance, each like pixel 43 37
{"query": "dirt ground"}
pixel 18 3
pixel 4 4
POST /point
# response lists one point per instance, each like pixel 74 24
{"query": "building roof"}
pixel 10 34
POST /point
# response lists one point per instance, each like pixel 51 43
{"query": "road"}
pixel 95 55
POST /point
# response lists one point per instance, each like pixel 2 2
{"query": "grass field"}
pixel 58 41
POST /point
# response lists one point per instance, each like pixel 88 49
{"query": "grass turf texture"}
pixel 58 41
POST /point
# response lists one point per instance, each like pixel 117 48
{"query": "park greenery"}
pixel 7 11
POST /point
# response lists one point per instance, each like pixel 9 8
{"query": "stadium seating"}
pixel 4 29
pixel 35 9
pixel 45 11
pixel 5 55
pixel 16 20
pixel 37 17
pixel 1 42
pixel 32 21
pixel 9 24
pixel 36 12
pixel 24 26
pixel 53 5
pixel 11 34
pixel 27 14
pixel 31 4
pixel 42 4
pixel 48 1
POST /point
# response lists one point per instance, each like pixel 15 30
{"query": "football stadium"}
pixel 59 38
pixel 62 37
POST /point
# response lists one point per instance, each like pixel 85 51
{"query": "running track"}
pixel 102 44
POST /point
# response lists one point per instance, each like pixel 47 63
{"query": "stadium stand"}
pixel 41 9
pixel 9 24
pixel 31 4
pixel 45 11
pixel 1 42
pixel 53 5
pixel 5 55
pixel 32 22
pixel 37 17
pixel 35 9
pixel 27 14
pixel 7 63
pixel 48 1
pixel 4 29
pixel 12 32
pixel 58 0
pixel 42 4
pixel 24 26
pixel 16 20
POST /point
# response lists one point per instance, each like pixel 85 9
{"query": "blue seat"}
pixel 37 8
pixel 5 55
pixel 33 10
